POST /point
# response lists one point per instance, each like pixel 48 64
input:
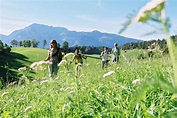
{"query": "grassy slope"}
pixel 19 57
pixel 92 95
pixel 31 54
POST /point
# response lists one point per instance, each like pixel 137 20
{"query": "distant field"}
pixel 31 54
pixel 20 57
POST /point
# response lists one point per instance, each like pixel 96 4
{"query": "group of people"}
pixel 55 56
pixel 105 55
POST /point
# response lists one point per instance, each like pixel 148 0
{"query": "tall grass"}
pixel 137 88
pixel 154 11
pixel 92 95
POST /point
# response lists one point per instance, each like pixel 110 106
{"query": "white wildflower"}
pixel 22 68
pixel 151 109
pixel 123 87
pixel 57 77
pixel 12 83
pixel 108 73
pixel 153 7
pixel 44 81
pixel 5 93
pixel 36 64
pixel 65 89
pixel 63 62
pixel 27 108
pixel 44 62
pixel 174 96
pixel 34 81
pixel 47 62
pixel 87 64
pixel 98 63
pixel 62 89
pixel 81 75
pixel 33 65
pixel 135 81
pixel 154 44
pixel 137 106
pixel 150 49
pixel 68 54
pixel 69 88
pixel 41 67
pixel 64 107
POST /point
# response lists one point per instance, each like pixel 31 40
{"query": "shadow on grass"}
pixel 9 64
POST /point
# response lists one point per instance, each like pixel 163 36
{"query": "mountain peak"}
pixel 42 26
pixel 61 34
pixel 95 31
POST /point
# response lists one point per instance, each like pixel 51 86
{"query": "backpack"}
pixel 59 56
pixel 80 60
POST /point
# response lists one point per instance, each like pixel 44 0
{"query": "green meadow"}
pixel 133 88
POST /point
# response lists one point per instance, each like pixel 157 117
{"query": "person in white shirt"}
pixel 54 56
pixel 105 57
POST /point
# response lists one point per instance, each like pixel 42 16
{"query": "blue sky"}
pixel 81 15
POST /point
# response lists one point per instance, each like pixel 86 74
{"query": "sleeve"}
pixel 112 51
pixel 101 54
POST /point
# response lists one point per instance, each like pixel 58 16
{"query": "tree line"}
pixel 145 44
pixel 4 48
pixel 162 44
pixel 92 49
pixel 65 46
pixel 25 43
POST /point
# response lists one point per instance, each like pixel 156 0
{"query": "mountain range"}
pixel 61 34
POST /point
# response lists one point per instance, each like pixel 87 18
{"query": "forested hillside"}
pixel 145 44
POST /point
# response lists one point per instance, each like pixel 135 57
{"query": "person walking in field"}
pixel 54 57
pixel 116 53
pixel 78 58
pixel 105 57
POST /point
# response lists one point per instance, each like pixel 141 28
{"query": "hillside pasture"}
pixel 132 88
pixel 19 58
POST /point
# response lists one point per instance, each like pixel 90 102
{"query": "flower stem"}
pixel 171 47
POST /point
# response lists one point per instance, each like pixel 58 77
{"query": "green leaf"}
pixel 127 23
